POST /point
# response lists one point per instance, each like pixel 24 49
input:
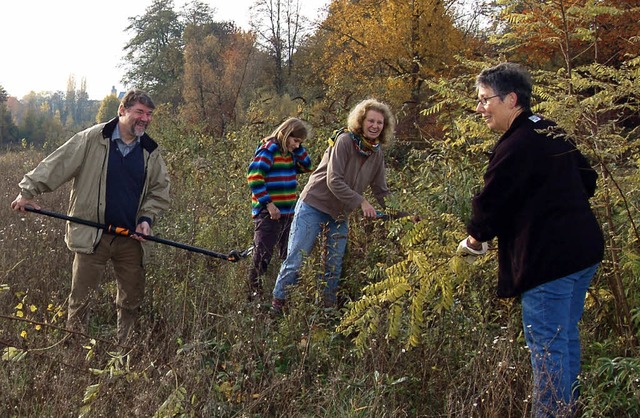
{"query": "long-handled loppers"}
pixel 233 256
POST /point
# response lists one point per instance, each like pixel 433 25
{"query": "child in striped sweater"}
pixel 272 177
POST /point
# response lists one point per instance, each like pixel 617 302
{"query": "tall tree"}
pixel 567 33
pixel 70 100
pixel 154 56
pixel 57 105
pixel 32 125
pixel 280 27
pixel 83 111
pixel 108 108
pixel 217 64
pixel 7 127
pixel 387 49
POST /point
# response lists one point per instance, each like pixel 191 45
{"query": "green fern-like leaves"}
pixel 415 289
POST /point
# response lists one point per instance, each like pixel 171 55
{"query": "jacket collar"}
pixel 517 122
pixel 145 140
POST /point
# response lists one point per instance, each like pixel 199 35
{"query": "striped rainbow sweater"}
pixel 272 177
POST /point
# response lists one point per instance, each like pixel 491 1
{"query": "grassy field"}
pixel 206 352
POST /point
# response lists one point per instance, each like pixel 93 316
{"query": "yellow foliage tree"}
pixel 108 108
pixel 386 50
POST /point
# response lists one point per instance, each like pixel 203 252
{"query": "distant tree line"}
pixel 40 118
pixel 218 78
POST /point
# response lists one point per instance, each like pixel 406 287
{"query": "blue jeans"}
pixel 550 316
pixel 307 225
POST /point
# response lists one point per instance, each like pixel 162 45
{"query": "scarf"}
pixel 363 146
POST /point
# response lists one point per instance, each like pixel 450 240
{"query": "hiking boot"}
pixel 277 306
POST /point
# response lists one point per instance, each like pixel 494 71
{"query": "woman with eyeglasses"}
pixel 535 200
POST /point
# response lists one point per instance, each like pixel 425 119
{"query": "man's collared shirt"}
pixel 122 147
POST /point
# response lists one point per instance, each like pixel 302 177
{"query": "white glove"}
pixel 468 253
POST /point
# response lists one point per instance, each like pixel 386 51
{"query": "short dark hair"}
pixel 134 96
pixel 508 77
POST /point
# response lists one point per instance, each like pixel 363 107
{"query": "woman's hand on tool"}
pixel 368 211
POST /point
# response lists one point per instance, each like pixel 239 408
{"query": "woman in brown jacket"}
pixel 352 163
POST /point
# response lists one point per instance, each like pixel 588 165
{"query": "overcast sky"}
pixel 44 42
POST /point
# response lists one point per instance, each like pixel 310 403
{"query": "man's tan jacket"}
pixel 83 159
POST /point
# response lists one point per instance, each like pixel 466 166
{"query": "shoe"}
pixel 277 306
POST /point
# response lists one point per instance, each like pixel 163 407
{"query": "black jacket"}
pixel 536 201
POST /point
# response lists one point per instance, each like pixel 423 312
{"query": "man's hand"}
pixel 21 202
pixel 143 228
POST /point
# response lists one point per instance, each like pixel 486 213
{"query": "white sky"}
pixel 44 42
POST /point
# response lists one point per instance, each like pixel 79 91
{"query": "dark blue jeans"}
pixel 550 316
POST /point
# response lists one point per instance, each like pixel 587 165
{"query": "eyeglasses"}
pixel 485 100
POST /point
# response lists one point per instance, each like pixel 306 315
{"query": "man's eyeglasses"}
pixel 485 100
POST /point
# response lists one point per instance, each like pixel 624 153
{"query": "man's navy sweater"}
pixel 125 180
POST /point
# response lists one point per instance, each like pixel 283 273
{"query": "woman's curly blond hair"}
pixel 358 113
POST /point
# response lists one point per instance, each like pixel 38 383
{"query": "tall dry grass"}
pixel 204 351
